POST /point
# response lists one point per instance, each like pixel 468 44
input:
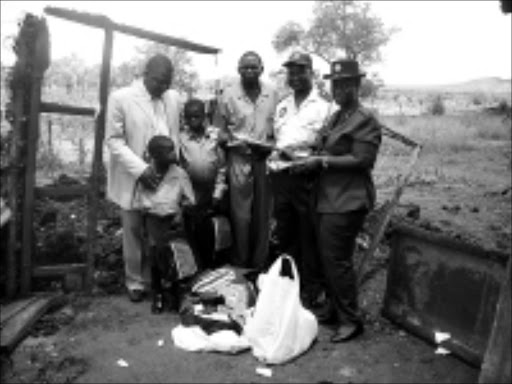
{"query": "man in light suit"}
pixel 135 114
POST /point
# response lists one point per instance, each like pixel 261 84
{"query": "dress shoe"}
pixel 157 306
pixel 347 332
pixel 135 295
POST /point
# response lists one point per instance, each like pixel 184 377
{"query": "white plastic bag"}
pixel 280 328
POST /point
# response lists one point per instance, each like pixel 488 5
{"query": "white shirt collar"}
pixel 313 97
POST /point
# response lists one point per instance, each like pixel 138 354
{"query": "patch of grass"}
pixel 451 133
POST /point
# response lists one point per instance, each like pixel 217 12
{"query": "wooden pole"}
pixel 14 184
pixel 50 137
pixel 30 178
pixel 39 58
pixel 98 157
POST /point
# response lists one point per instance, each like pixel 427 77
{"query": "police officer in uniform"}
pixel 298 120
pixel 345 192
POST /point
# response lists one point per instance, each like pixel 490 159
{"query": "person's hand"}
pixel 307 165
pixel 149 179
pixel 223 137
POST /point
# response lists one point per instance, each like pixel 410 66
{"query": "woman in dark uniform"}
pixel 345 192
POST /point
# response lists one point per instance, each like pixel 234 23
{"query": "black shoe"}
pixel 136 295
pixel 157 306
pixel 347 332
pixel 325 314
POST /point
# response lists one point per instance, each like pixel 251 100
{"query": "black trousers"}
pixel 160 230
pixel 337 234
pixel 295 230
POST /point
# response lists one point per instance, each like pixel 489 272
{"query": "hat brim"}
pixel 338 76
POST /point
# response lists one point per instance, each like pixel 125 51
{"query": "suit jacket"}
pixel 129 127
pixel 344 190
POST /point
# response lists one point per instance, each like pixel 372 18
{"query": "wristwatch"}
pixel 325 164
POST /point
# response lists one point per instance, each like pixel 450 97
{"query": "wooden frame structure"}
pixel 385 213
pixel 40 55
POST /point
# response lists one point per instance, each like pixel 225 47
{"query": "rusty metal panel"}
pixel 438 284
pixel 497 365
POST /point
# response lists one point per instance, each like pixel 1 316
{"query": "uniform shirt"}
pixel 204 162
pixel 344 190
pixel 173 191
pixel 296 129
pixel 242 116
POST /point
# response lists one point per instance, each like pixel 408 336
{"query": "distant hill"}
pixel 482 85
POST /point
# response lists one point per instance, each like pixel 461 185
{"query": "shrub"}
pixel 504 108
pixel 478 99
pixel 437 107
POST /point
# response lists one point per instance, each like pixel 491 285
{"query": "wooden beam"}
pixel 167 40
pixel 385 216
pixel 101 21
pixel 92 217
pixel 16 328
pixel 398 136
pixel 10 310
pixel 62 192
pixel 49 107
pixel 58 269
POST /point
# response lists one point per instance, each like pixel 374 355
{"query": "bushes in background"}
pixel 436 106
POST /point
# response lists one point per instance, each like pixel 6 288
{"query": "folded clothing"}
pixel 209 322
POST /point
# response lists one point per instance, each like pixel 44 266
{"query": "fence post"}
pixel 40 62
pixel 98 157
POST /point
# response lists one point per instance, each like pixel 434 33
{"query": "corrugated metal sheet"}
pixel 438 284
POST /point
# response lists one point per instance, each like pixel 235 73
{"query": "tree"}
pixel 370 85
pixel 339 28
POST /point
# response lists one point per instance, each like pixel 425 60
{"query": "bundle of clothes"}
pixel 214 311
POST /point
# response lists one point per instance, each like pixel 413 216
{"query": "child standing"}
pixel 163 212
pixel 204 161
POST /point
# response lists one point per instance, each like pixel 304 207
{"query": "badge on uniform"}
pixel 282 112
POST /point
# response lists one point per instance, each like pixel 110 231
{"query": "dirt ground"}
pixel 466 193
pixel 106 329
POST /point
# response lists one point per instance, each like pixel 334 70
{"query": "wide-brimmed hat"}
pixel 299 58
pixel 344 69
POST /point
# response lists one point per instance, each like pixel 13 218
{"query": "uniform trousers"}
pixel 337 234
pixel 295 230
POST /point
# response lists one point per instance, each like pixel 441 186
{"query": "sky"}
pixel 439 42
